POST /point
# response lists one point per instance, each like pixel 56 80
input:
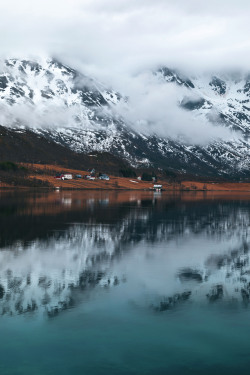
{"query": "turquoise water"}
pixel 120 340
pixel 108 284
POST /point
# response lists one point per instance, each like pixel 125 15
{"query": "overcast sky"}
pixel 116 39
pixel 127 34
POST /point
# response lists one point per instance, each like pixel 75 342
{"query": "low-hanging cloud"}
pixel 154 108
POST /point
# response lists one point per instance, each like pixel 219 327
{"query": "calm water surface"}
pixel 124 283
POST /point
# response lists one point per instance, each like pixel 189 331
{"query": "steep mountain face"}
pixel 224 99
pixel 24 145
pixel 77 112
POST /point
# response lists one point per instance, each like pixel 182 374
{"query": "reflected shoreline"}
pixel 66 200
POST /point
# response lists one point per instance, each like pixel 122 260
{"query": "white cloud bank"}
pixel 126 35
pixel 154 108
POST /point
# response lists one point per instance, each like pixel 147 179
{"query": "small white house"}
pixel 157 187
pixel 67 176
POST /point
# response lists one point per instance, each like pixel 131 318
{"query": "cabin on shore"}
pixel 157 187
pixel 67 176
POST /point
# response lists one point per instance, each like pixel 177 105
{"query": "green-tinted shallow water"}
pixel 107 283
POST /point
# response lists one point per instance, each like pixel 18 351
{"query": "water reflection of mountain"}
pixel 52 251
pixel 29 217
pixel 223 278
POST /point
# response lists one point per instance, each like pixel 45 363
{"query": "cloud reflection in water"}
pixel 168 251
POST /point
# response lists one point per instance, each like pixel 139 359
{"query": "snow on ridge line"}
pixel 76 111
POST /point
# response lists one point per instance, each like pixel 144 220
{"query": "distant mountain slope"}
pixel 61 105
pixel 26 146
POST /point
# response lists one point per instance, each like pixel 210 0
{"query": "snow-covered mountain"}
pixel 78 112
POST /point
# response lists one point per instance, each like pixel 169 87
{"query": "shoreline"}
pixel 121 189
pixel 42 177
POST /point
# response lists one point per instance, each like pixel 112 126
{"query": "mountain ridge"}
pixel 64 106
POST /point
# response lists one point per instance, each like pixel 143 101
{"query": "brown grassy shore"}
pixel 46 172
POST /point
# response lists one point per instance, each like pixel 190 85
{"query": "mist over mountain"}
pixel 197 124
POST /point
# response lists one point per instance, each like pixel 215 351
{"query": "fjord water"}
pixel 124 283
